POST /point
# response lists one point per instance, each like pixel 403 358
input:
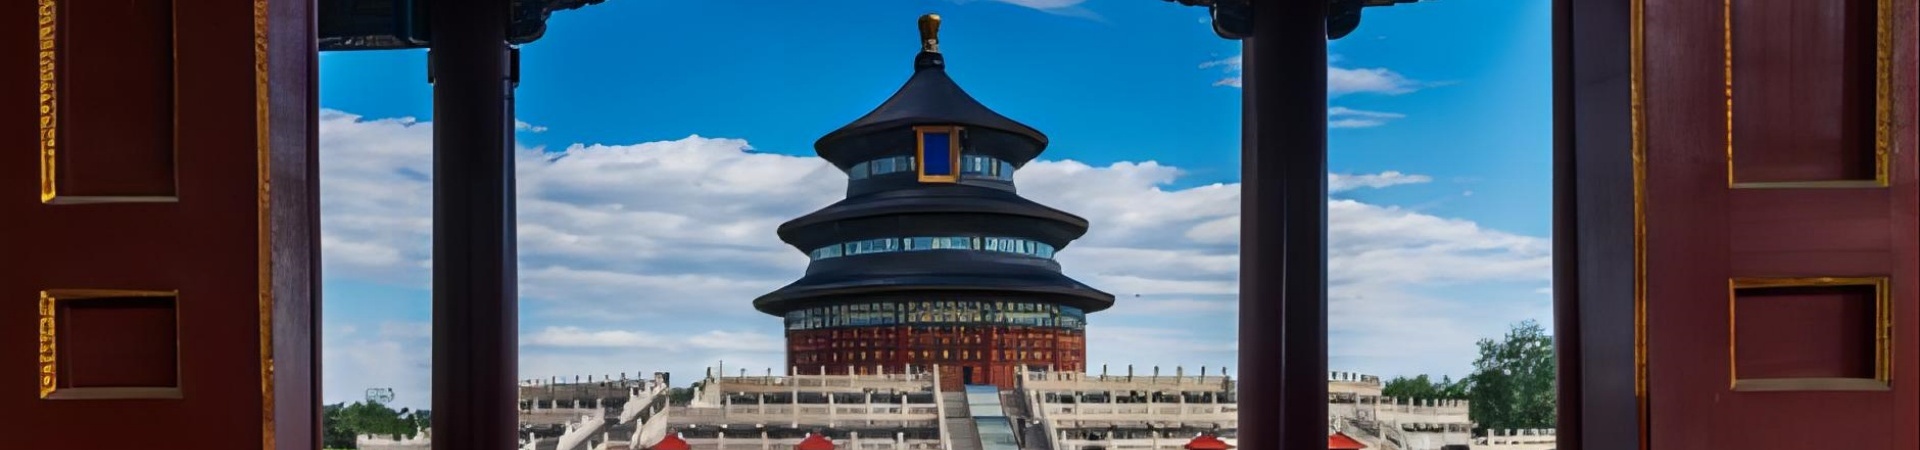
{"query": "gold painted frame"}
pixel 1882 337
pixel 49 103
pixel 1882 106
pixel 920 152
pixel 1637 120
pixel 49 364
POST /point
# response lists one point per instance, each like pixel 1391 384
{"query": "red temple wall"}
pixel 965 354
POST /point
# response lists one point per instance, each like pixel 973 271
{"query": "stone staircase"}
pixel 962 433
pixel 961 430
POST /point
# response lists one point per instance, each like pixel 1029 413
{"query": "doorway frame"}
pixel 1284 353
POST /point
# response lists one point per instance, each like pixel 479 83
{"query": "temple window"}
pixel 939 152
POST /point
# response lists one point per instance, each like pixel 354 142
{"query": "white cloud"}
pixel 570 336
pixel 1343 117
pixel 1068 8
pixel 576 337
pixel 523 126
pixel 1044 4
pixel 396 357
pixel 1340 182
pixel 1340 80
pixel 647 256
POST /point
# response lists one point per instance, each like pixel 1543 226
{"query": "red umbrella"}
pixel 672 442
pixel 1207 442
pixel 1340 441
pixel 814 442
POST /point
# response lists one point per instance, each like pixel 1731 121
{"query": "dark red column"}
pixel 1283 222
pixel 474 281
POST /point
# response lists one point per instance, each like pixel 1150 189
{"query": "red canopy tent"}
pixel 814 441
pixel 671 442
pixel 1340 441
pixel 1207 442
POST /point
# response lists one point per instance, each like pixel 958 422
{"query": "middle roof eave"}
pixel 943 199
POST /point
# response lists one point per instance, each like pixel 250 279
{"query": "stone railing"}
pixel 1516 437
pixel 422 441
pixel 882 443
pixel 1070 381
pixel 713 388
pixel 1163 443
pixel 579 432
pixel 809 414
pixel 1352 377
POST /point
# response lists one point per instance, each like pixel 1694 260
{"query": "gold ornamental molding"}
pixel 49 103
pixel 49 348
pixel 49 121
pixel 1637 108
pixel 1882 337
pixel 263 153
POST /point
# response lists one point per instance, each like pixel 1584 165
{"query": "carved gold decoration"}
pixel 49 352
pixel 1882 106
pixel 930 33
pixel 50 119
pixel 1637 107
pixel 263 152
pixel 1882 337
pixel 49 106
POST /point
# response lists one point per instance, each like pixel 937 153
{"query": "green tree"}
pixel 1422 387
pixel 335 434
pixel 1513 380
pixel 345 422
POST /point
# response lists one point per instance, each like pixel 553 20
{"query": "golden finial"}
pixel 930 33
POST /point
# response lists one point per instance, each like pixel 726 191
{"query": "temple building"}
pixel 933 261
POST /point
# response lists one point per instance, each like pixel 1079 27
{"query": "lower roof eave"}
pixel 778 303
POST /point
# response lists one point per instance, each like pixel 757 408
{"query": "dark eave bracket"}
pixel 1233 19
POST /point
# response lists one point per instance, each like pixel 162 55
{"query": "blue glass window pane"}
pixel 1006 170
pixel 939 154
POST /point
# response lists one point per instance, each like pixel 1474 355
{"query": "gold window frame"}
pixel 1882 337
pixel 49 352
pixel 1883 99
pixel 953 156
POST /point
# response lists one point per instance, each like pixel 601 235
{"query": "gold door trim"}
pixel 1882 337
pixel 49 90
pixel 49 352
pixel 1882 106
pixel 263 153
pixel 1637 107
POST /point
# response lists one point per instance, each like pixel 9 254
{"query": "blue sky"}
pixel 688 127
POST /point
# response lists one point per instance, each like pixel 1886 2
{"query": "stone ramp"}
pixel 956 405
pixel 963 434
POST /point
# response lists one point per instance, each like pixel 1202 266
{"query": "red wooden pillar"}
pixel 1283 223
pixel 474 279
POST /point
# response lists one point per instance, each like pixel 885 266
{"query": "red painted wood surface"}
pixel 127 342
pixel 226 257
pixel 116 77
pixel 1814 332
pixel 1700 233
pixel 1803 89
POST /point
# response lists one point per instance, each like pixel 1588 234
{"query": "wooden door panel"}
pixel 1777 196
pixel 158 233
